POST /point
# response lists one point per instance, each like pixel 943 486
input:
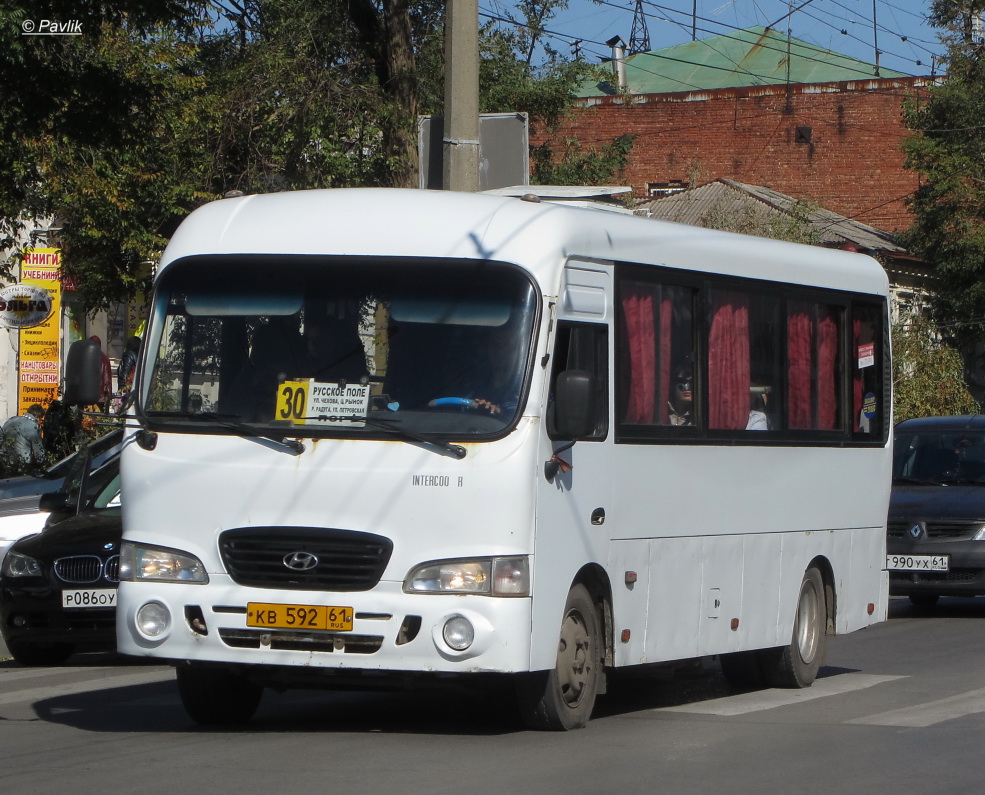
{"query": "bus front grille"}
pixel 300 641
pixel 304 558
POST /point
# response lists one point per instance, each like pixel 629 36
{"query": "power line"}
pixel 668 14
pixel 864 70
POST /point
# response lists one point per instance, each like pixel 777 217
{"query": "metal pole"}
pixel 461 128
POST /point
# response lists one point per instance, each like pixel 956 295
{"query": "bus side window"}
pixel 582 347
pixel 743 361
pixel 655 356
pixel 814 366
pixel 870 411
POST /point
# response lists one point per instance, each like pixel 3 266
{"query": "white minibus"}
pixel 390 436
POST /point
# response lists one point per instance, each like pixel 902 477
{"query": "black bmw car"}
pixel 58 587
pixel 936 532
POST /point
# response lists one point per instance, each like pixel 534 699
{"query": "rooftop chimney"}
pixel 619 63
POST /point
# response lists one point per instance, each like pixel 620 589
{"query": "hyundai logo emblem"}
pixel 300 561
pixel 916 531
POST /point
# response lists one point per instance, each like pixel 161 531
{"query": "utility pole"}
pixel 460 146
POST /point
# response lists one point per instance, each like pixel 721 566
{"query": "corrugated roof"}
pixel 753 57
pixel 754 205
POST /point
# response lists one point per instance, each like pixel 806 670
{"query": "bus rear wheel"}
pixel 796 665
pixel 563 698
pixel 216 696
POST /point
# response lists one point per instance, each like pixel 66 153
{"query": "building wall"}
pixel 851 161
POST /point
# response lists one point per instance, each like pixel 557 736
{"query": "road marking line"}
pixel 15 674
pixel 930 713
pixel 776 697
pixel 73 688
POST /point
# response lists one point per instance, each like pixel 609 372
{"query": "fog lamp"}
pixel 153 620
pixel 458 633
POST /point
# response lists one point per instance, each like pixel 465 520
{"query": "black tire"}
pixel 216 697
pixel 563 698
pixel 796 665
pixel 742 670
pixel 37 655
pixel 924 599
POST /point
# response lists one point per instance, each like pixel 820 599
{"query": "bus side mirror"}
pixel 574 404
pixel 83 373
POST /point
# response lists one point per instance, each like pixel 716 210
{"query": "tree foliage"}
pixel 571 164
pixel 162 105
pixel 948 150
pixel 928 375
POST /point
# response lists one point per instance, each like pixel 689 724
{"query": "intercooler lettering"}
pixel 430 480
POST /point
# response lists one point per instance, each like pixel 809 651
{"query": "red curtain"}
pixel 800 347
pixel 637 306
pixel 728 362
pixel 857 380
pixel 666 316
pixel 827 372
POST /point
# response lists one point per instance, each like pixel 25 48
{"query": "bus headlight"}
pixel 139 562
pixel 488 576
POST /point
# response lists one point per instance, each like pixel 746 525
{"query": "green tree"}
pixel 568 163
pixel 928 375
pixel 95 132
pixel 946 148
pixel 162 105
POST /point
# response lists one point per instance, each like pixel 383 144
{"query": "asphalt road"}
pixel 899 708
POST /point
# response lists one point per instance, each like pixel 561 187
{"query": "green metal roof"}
pixel 753 57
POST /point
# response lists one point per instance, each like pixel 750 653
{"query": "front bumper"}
pixel 392 631
pixel 35 614
pixel 965 576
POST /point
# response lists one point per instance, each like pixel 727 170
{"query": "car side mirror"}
pixel 575 412
pixel 83 373
pixel 54 501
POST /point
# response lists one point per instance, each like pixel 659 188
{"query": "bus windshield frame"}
pixel 308 346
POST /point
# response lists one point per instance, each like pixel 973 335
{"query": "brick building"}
pixel 757 108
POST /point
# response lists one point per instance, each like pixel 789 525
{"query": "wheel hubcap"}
pixel 807 623
pixel 574 658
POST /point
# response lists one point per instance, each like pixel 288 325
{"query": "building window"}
pixel 660 189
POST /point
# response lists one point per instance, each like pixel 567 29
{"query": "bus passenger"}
pixel 681 397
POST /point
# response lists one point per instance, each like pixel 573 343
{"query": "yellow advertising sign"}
pixel 40 364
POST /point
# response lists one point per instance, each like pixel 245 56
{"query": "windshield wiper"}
pixel 291 445
pixel 921 481
pixel 388 424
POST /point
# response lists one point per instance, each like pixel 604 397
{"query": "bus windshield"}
pixel 315 346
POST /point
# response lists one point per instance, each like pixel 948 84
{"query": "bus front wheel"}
pixel 563 698
pixel 215 696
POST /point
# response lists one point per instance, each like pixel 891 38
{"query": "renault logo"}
pixel 300 561
pixel 916 531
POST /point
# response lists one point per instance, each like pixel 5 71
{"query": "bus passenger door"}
pixel 573 513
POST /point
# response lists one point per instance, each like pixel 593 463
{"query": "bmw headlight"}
pixel 488 576
pixel 17 565
pixel 140 562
